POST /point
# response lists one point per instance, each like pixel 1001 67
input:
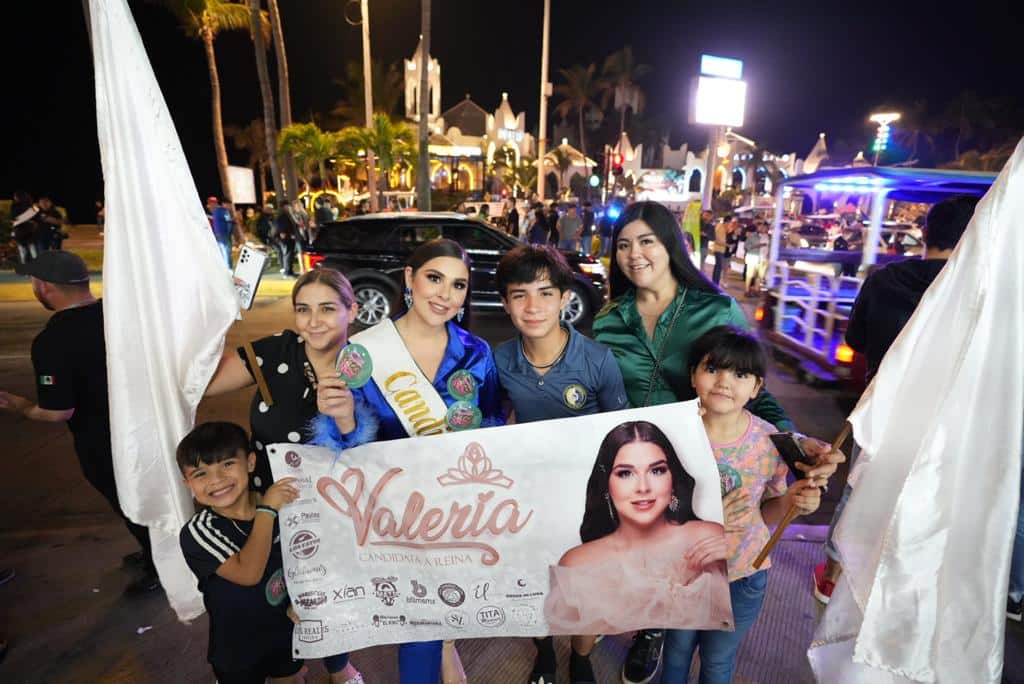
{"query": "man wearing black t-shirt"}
pixel 70 365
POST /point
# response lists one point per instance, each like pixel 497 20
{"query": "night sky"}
pixel 810 67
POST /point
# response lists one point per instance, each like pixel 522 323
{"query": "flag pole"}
pixel 793 512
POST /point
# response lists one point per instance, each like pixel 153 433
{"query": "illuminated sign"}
pixel 722 67
pixel 719 101
pixel 510 134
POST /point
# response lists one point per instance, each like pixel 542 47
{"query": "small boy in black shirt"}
pixel 232 546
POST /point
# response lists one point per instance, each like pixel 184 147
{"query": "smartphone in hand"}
pixel 788 445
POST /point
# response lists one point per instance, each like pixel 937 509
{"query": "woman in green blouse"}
pixel 660 305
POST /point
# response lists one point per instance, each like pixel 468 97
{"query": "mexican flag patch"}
pixel 46 380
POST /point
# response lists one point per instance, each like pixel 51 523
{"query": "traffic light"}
pixel 617 160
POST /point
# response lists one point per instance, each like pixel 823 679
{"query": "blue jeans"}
pixel 225 249
pixel 830 546
pixel 717 649
pixel 1017 559
pixel 571 245
pixel 606 243
pixel 716 273
pixel 419 662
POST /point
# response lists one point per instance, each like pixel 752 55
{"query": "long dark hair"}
pixel 665 227
pixel 597 519
pixel 442 247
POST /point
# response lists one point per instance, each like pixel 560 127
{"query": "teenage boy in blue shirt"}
pixel 551 371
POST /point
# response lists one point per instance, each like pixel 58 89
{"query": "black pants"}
pixel 100 475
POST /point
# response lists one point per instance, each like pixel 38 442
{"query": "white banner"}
pixel 478 533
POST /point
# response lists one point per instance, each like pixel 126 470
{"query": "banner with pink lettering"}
pixel 593 525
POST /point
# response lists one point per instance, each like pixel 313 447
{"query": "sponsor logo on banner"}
pixel 302 518
pixel 490 616
pixel 481 589
pixel 304 544
pixel 456 619
pixel 522 591
pixel 451 595
pixel 472 526
pixel 386 589
pixel 311 599
pixel 348 593
pixel 311 631
pixel 419 593
pixel 293 459
pixel 309 573
pixel 388 620
pixel 425 623
pixel 525 616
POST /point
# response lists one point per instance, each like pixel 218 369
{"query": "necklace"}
pixel 561 353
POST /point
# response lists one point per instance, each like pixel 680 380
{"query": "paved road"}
pixel 66 620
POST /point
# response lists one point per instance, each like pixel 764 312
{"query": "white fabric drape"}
pixel 926 537
pixel 168 299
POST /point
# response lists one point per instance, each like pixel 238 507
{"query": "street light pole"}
pixel 543 130
pixel 371 161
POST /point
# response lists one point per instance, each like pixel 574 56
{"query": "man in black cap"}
pixel 70 365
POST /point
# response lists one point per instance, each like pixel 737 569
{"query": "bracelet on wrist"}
pixel 266 509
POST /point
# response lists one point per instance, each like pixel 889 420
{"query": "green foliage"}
pixel 388 91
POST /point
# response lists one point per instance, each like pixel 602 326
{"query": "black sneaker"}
pixel 144 584
pixel 1013 610
pixel 580 671
pixel 545 664
pixel 644 657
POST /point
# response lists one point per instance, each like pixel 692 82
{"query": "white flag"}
pixel 927 534
pixel 168 298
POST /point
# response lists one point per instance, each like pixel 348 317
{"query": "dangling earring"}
pixel 462 312
pixel 611 510
pixel 673 504
pixel 407 295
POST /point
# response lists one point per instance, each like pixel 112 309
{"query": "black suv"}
pixel 371 251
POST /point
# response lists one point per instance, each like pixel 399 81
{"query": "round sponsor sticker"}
pixel 462 415
pixel 729 478
pixel 275 589
pixel 354 365
pixel 462 385
pixel 574 396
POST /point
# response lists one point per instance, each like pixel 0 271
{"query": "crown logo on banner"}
pixel 474 467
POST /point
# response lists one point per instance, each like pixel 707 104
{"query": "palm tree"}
pixel 310 147
pixel 260 30
pixel 914 127
pixel 564 162
pixel 284 98
pixel 388 91
pixel 619 74
pixel 391 142
pixel 252 138
pixel 579 90
pixel 522 176
pixel 205 20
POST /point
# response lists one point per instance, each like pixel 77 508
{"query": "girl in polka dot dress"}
pixel 293 363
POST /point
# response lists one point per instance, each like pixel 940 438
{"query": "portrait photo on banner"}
pixel 599 524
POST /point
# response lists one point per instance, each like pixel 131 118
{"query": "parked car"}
pixel 371 251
